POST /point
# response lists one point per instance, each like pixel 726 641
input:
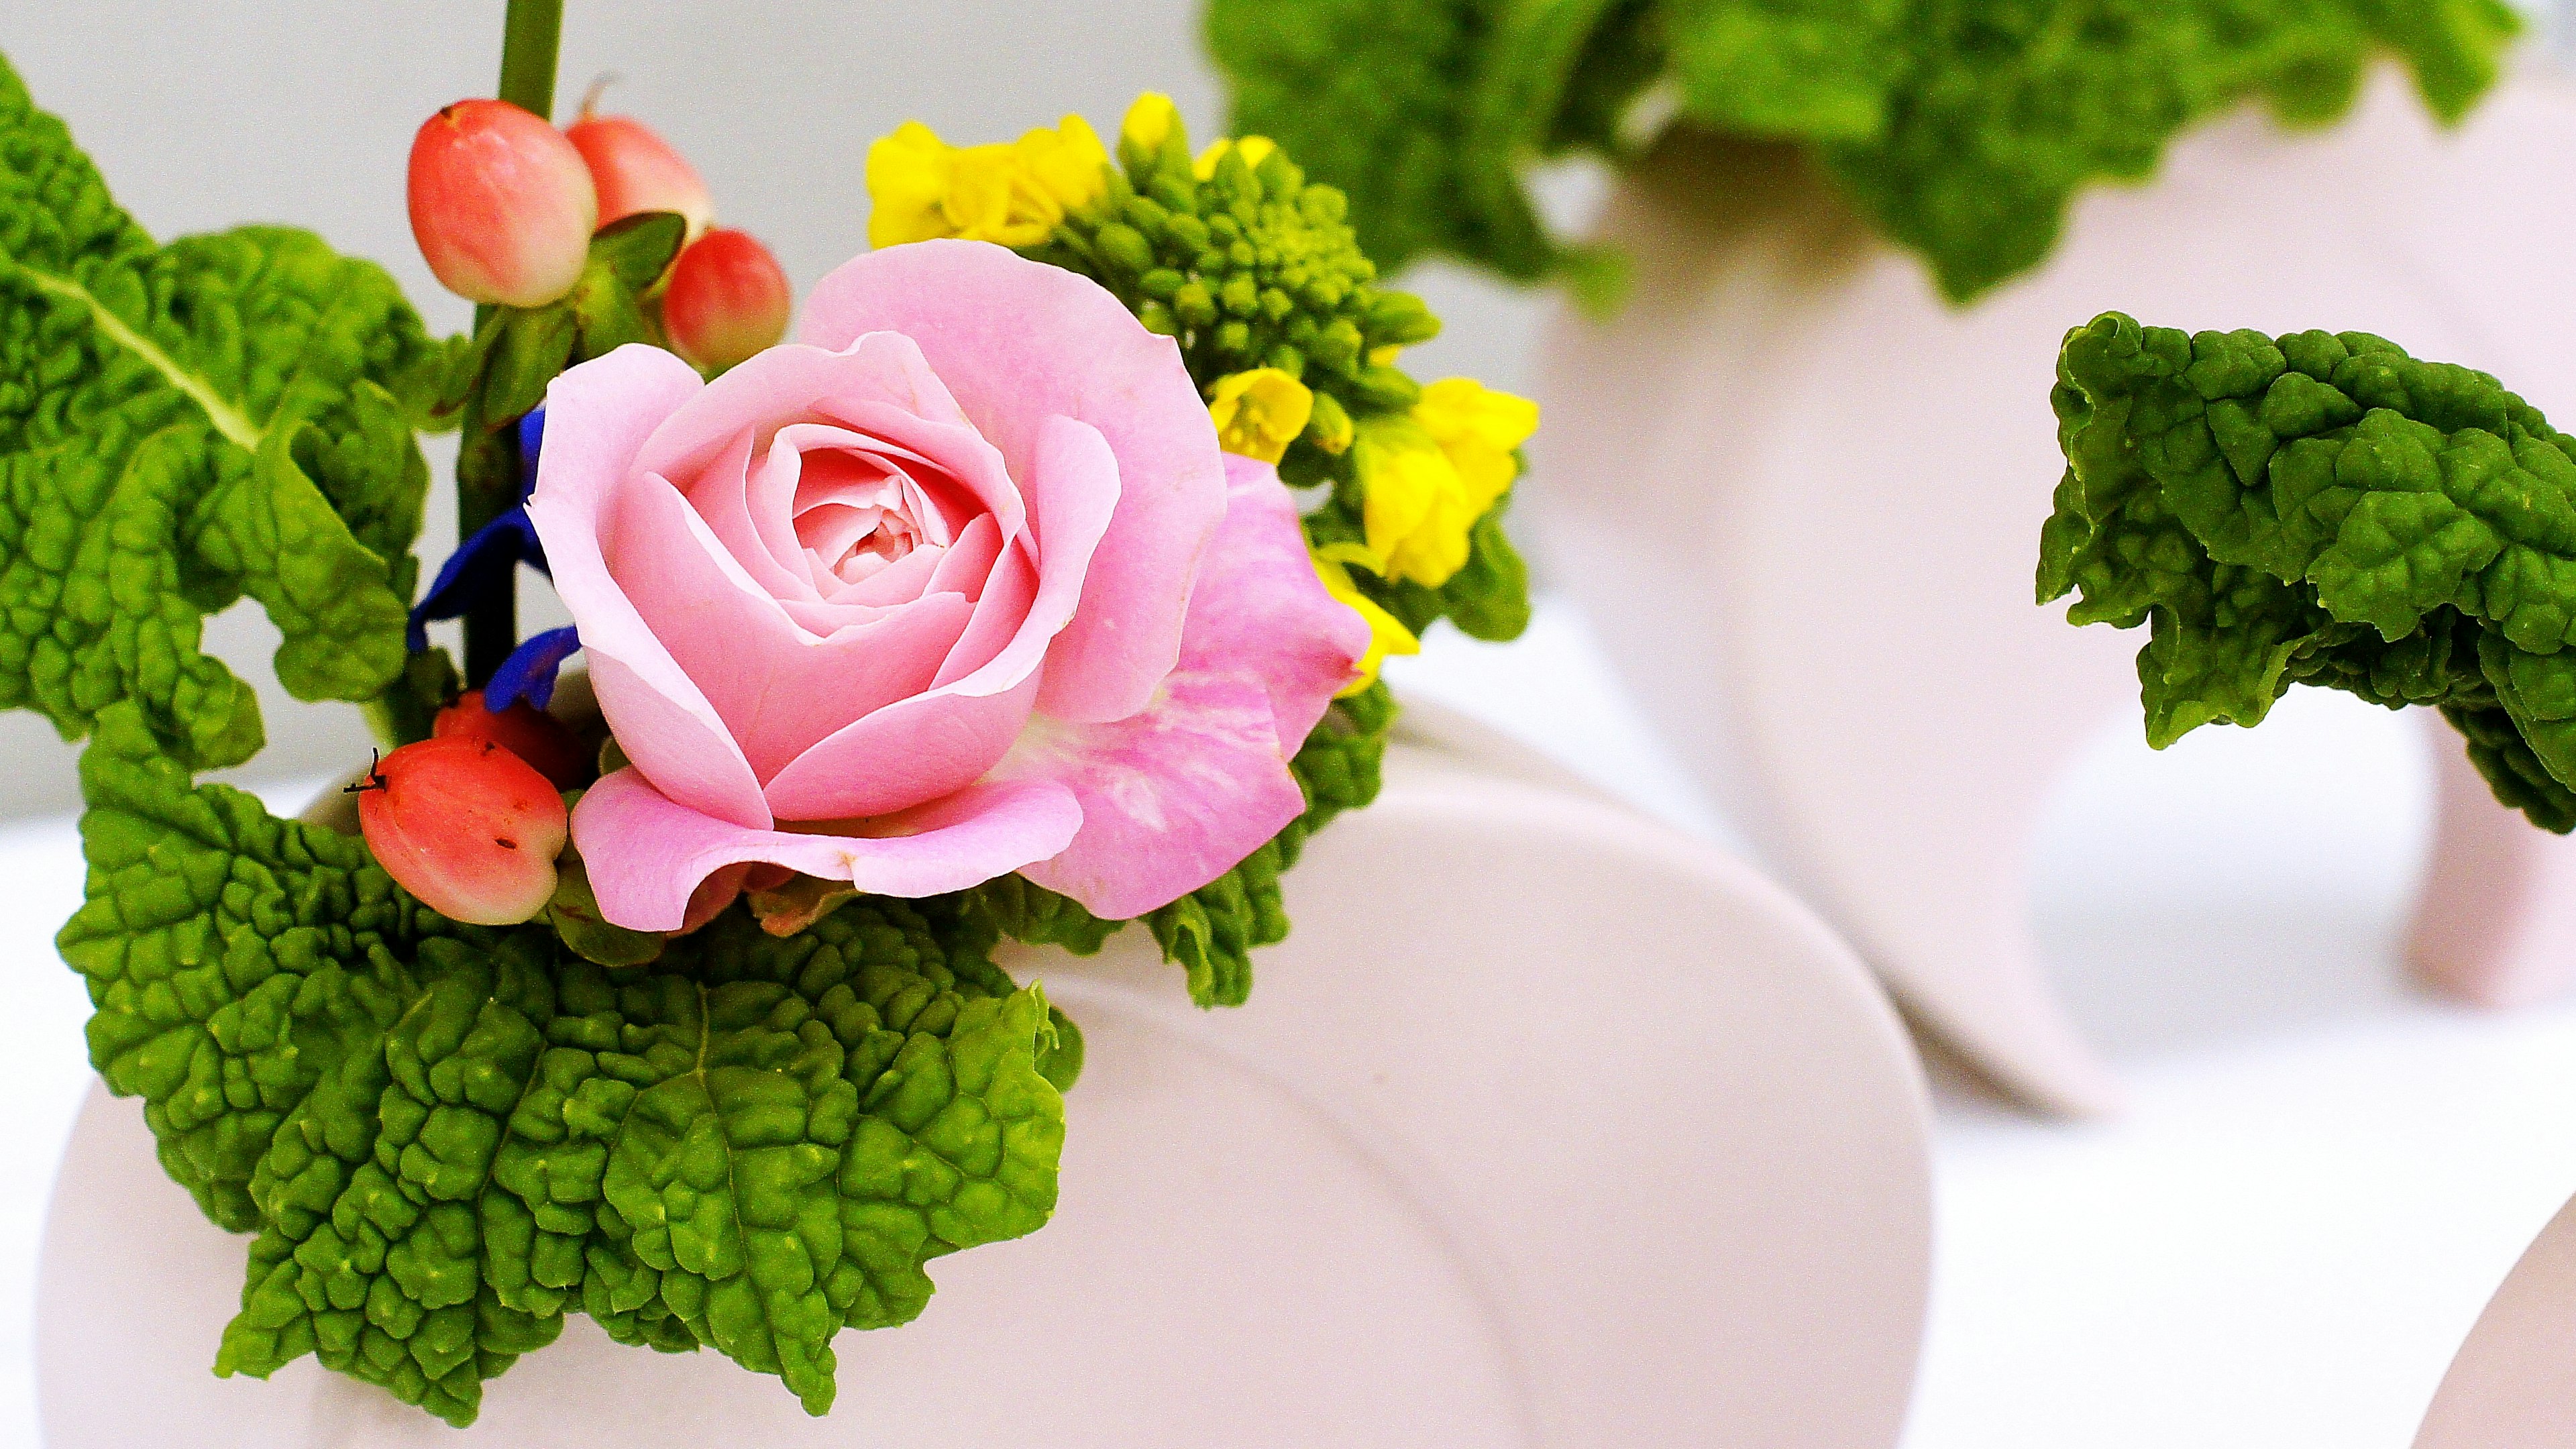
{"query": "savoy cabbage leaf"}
pixel 181 425
pixel 1961 128
pixel 2323 509
pixel 447 1137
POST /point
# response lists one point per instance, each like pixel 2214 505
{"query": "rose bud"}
pixel 636 171
pixel 501 204
pixel 525 731
pixel 728 299
pixel 467 826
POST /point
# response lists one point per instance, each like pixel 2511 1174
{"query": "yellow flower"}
pixel 1414 506
pixel 1255 150
pixel 1427 478
pixel 1150 122
pixel 1387 634
pixel 1478 428
pixel 1013 193
pixel 1259 413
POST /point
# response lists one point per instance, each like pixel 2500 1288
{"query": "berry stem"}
pixel 531 35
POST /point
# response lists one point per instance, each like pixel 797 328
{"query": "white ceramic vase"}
pixel 1547 1126
pixel 1801 498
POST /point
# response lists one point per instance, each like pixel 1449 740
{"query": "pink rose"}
pixel 957 585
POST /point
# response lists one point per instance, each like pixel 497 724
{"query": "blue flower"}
pixel 529 672
pixel 489 561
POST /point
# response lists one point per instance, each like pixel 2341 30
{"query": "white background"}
pixel 2319 1177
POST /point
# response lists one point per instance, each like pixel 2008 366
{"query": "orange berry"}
pixel 728 299
pixel 467 826
pixel 636 171
pixel 525 731
pixel 501 204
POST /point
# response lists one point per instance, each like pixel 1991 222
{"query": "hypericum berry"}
pixel 525 731
pixel 636 171
pixel 465 825
pixel 501 204
pixel 728 299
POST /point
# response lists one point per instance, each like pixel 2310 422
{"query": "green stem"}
pixel 529 39
pixel 531 35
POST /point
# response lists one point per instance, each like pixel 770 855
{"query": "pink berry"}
pixel 501 204
pixel 637 171
pixel 525 731
pixel 466 826
pixel 728 298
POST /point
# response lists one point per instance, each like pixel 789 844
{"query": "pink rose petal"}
pixel 646 854
pixel 969 561
pixel 1179 793
pixel 1260 611
pixel 1172 797
pixel 1018 342
pixel 781 387
pixel 860 768
pixel 776 687
pixel 599 416
pixel 912 750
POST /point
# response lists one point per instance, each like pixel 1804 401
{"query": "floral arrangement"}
pixel 1959 129
pixel 1035 591
pixel 2323 509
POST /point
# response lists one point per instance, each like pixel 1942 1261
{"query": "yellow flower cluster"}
pixel 1012 192
pixel 1426 478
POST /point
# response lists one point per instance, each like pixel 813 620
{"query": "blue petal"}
pixel 529 673
pixel 481 565
pixel 532 441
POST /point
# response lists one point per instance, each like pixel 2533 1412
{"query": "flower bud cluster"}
pixel 1248 265
pixel 505 208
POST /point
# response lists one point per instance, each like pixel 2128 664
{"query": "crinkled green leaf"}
pixel 181 425
pixel 1400 142
pixel 1813 70
pixel 1023 910
pixel 448 1137
pixel 1963 128
pixel 2323 509
pixel 2001 114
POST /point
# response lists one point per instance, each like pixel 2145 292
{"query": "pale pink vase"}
pixel 1801 498
pixel 2514 1381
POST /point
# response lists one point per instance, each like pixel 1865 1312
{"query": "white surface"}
pixel 1625 1144
pixel 2317 1182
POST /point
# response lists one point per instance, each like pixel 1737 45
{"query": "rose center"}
pixel 857 514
